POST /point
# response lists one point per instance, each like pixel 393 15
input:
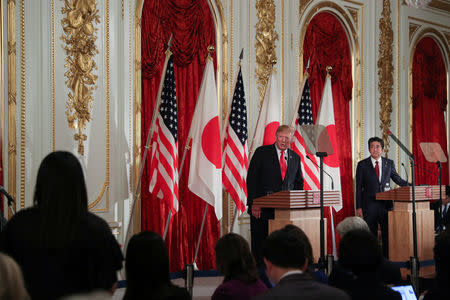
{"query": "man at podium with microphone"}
pixel 373 175
pixel 273 168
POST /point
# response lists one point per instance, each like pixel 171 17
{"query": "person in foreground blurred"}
pixel 235 261
pixel 360 256
pixel 317 274
pixel 441 289
pixel 286 262
pixel 387 271
pixel 12 285
pixel 62 248
pixel 147 269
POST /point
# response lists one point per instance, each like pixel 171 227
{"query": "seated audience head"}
pixel 283 251
pixel 360 252
pixel 304 238
pixel 442 259
pixel 351 223
pixel 146 264
pixel 12 285
pixel 61 197
pixel 234 259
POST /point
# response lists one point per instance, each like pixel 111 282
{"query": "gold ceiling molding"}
pixel 412 29
pixel 385 70
pixel 12 90
pixel 79 36
pixel 265 43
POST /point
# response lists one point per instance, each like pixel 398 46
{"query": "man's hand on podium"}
pixel 256 211
pixel 359 212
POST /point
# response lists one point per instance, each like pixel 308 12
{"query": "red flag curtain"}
pixel 429 105
pixel 192 26
pixel 326 44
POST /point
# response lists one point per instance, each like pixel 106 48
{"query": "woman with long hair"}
pixel 147 269
pixel 60 246
pixel 235 261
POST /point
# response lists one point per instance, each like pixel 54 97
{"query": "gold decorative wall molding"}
pixel 415 20
pixel 447 36
pixel 264 43
pixel 22 104
pixel 440 5
pixel 354 14
pixel 303 5
pixel 12 90
pixel 79 37
pixel 385 70
pixel 412 29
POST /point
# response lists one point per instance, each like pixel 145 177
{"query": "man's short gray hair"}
pixel 351 223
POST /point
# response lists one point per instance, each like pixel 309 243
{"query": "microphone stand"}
pixel 322 259
pixel 413 260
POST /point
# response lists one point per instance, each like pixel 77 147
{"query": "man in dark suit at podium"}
pixel 273 168
pixel 373 175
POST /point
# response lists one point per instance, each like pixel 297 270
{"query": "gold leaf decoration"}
pixel 265 43
pixel 385 70
pixel 79 37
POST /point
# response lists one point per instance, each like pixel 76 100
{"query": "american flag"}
pixel 235 152
pixel 304 117
pixel 164 159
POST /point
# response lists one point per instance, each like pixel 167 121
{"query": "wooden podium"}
pixel 300 208
pixel 401 229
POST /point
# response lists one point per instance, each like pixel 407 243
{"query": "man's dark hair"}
pixel 234 259
pixel 360 252
pixel 285 249
pixel 376 139
pixel 302 236
pixel 447 190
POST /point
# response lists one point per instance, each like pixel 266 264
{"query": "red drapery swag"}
pixel 429 105
pixel 192 26
pixel 325 45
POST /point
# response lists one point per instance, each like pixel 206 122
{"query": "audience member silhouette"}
pixel 147 269
pixel 12 285
pixel 235 261
pixel 286 262
pixel 441 289
pixel 62 248
pixel 360 256
pixel 388 271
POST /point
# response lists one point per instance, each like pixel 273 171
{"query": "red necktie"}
pixel 283 165
pixel 377 170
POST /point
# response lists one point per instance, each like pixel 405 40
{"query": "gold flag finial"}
pixel 211 49
pixel 329 68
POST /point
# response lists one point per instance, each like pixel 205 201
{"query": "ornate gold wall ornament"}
pixel 12 90
pixel 79 36
pixel 385 70
pixel 264 43
pixel 303 5
pixel 354 14
pixel 440 5
pixel 412 29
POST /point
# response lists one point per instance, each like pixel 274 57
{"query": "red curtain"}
pixel 325 45
pixel 192 26
pixel 429 105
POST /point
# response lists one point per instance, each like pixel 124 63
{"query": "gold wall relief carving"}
pixel 79 37
pixel 264 43
pixel 303 5
pixel 354 14
pixel 412 29
pixel 440 5
pixel 385 70
pixel 22 104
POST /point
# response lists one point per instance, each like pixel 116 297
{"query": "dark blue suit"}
pixel 367 185
pixel 263 178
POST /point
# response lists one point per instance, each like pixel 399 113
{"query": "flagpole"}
pixel 234 217
pixel 150 132
pixel 200 236
pixel 251 150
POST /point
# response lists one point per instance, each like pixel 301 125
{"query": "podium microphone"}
pixel 332 181
pixel 404 168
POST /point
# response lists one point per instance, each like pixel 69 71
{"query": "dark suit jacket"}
pixel 302 286
pixel 445 218
pixel 264 176
pixel 367 184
